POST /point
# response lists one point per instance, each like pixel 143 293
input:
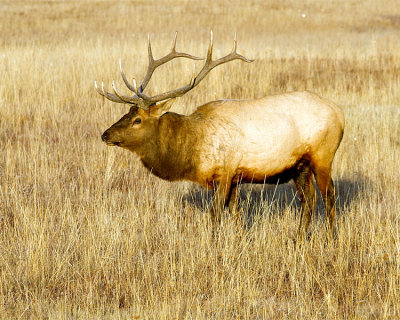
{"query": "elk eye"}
pixel 137 121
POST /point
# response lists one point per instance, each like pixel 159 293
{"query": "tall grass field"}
pixel 86 232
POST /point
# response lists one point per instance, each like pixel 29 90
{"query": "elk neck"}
pixel 170 154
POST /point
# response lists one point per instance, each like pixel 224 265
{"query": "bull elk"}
pixel 223 143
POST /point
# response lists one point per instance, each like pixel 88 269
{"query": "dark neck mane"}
pixel 172 156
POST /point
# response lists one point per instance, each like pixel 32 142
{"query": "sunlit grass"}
pixel 87 232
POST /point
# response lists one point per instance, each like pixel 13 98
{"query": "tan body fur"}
pixel 257 139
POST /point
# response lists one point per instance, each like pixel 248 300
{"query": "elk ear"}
pixel 158 109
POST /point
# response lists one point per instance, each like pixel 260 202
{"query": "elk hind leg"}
pixel 308 197
pixel 327 189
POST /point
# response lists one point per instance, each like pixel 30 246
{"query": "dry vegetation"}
pixel 86 232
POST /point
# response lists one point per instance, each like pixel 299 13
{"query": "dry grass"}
pixel 86 232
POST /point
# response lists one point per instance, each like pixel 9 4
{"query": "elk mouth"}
pixel 113 143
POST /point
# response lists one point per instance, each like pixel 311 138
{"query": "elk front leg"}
pixel 222 192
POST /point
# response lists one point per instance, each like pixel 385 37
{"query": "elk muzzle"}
pixel 106 138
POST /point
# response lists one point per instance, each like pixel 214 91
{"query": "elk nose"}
pixel 105 136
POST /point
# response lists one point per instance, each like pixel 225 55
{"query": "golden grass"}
pixel 86 232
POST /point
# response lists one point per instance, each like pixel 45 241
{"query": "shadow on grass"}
pixel 256 200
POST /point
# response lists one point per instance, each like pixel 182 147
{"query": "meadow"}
pixel 87 233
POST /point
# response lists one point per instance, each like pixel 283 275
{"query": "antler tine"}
pixel 97 88
pixel 135 86
pixel 100 91
pixel 174 54
pixel 237 55
pixel 210 49
pixel 173 48
pixel 130 87
pixel 213 63
pixel 108 95
pixel 235 43
pixel 125 99
pixel 154 64
pixel 149 51
pixel 193 75
pixel 140 94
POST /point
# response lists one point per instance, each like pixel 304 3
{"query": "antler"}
pixel 140 98
pixel 143 100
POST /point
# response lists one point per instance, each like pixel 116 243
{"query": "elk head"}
pixel 140 124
